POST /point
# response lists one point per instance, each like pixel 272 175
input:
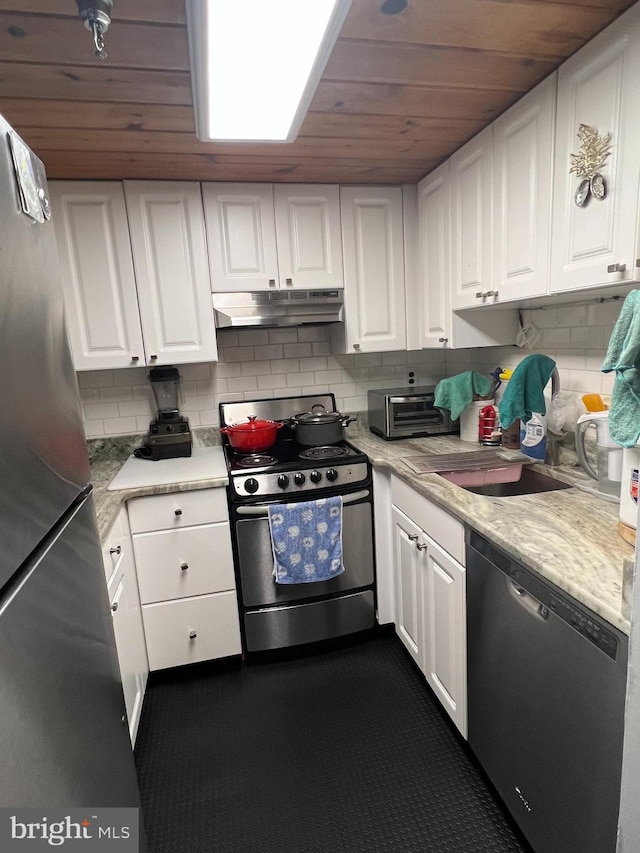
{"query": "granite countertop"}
pixel 569 537
pixel 107 459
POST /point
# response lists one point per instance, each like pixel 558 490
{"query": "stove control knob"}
pixel 332 475
pixel 251 485
pixel 283 481
pixel 299 479
pixel 315 476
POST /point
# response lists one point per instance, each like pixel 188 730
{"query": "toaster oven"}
pixel 407 413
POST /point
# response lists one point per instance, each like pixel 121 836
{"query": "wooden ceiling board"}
pixel 399 93
pixel 51 40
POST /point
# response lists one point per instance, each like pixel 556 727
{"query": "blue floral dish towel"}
pixel 307 540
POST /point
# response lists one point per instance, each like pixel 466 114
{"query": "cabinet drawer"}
pixel 180 563
pixel 178 509
pixel 168 628
pixel 436 522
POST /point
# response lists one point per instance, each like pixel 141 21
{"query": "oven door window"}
pixel 413 412
pixel 255 557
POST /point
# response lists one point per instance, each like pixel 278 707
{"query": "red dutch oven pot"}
pixel 252 437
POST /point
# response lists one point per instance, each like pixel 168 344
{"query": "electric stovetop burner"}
pixel 255 460
pixel 325 451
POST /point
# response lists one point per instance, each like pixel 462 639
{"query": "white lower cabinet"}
pixel 184 560
pixel 124 600
pixel 430 595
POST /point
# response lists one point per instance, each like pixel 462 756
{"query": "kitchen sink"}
pixel 530 483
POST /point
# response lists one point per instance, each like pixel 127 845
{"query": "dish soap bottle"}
pixel 533 436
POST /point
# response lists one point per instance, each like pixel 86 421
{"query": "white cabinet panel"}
pixel 445 640
pixel 372 226
pixel 523 170
pixel 241 233
pixel 172 271
pixel 409 566
pixel 124 600
pixel 192 629
pixel 471 221
pixel 97 274
pixel 434 216
pixel 181 563
pixel 308 236
pixel 431 595
pixel 598 87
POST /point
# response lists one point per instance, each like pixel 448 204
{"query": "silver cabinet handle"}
pixel 485 294
pixel 413 537
pixel 272 282
pixel 184 566
pixel 479 295
pixel 135 358
pixel 616 267
pixel 192 634
pixel 356 346
pixel 442 340
pixel 638 262
pixel 177 512
pixel 421 546
pixel 114 606
pixel 288 282
pixel 117 550
pixel 153 358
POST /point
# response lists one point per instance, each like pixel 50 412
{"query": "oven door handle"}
pixel 264 510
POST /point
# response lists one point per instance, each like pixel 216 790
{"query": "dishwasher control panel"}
pixel 577 618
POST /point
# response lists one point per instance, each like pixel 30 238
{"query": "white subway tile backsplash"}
pixel 320 348
pixel 237 354
pixel 297 350
pixel 287 362
pixel 267 353
pixel 283 336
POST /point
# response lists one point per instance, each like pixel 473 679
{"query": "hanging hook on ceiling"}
pixel 96 15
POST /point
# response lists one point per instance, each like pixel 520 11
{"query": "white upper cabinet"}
pixel 241 233
pixel 523 175
pixel 97 274
pixel 434 217
pixel 172 271
pixel 374 297
pixel 471 222
pixel 263 237
pixel 596 243
pixel 308 236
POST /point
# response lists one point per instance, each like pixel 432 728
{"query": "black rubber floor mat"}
pixel 341 752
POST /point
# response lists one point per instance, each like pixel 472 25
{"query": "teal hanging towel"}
pixel 525 390
pixel 623 358
pixel 457 392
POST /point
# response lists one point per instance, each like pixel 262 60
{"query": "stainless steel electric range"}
pixel 275 616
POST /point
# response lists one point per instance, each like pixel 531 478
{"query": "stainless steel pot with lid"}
pixel 319 427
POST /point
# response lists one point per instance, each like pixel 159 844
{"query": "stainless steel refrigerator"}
pixel 64 741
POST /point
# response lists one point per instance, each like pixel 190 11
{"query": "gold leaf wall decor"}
pixel 594 150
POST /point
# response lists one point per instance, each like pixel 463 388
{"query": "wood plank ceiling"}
pixel 400 92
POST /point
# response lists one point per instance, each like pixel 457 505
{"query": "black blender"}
pixel 169 434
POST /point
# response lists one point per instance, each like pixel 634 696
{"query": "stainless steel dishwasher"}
pixel 546 690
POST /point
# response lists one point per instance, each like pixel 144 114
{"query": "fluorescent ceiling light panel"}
pixel 255 64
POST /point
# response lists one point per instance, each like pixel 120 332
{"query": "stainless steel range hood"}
pixel 277 308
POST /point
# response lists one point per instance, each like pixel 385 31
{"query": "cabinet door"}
pixel 241 236
pixel 434 225
pixel 172 271
pixel 445 649
pixel 471 222
pixel 409 566
pixel 373 268
pixel 598 87
pixel 523 172
pixel 127 625
pixel 309 236
pixel 97 274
